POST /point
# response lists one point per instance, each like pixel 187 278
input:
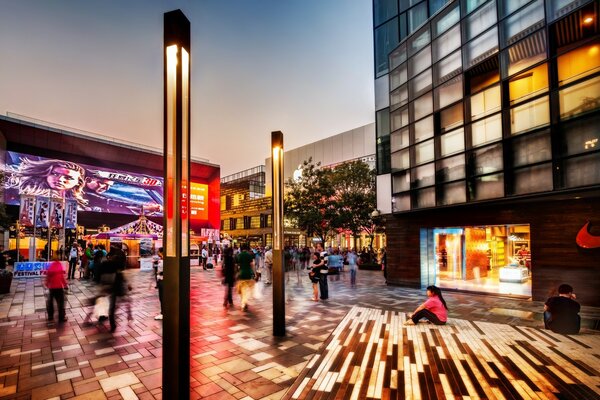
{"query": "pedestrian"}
pixel 73 259
pixel 204 254
pixel 245 262
pixel 268 265
pixel 117 285
pixel 228 272
pixel 352 260
pixel 561 313
pixel 315 274
pixel 56 283
pixel 89 255
pixel 159 281
pixel 434 309
pixel 323 276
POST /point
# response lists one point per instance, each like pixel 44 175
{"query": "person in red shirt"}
pixel 56 283
pixel 433 309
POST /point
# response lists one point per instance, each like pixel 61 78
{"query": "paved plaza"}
pixel 233 353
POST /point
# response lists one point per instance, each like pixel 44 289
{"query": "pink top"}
pixel 434 304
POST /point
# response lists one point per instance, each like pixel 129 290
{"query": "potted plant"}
pixel 6 278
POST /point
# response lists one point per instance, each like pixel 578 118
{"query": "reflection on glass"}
pixel 448 67
pixel 529 116
pixel 422 106
pixel 423 129
pixel 424 152
pixel 420 84
pixel 486 187
pixel 425 198
pixel 424 176
pixel 384 10
pixel 398 76
pixel 419 62
pixel 451 117
pixel 482 47
pixel 400 139
pixel 581 98
pixel 449 92
pixel 418 41
pixel 482 80
pixel 401 203
pixel 582 170
pixel 383 122
pixel 485 160
pixel 447 43
pixel 401 182
pixel 399 97
pixel 581 136
pixel 480 20
pixel 532 149
pixel 400 160
pixel 524 22
pixel 509 6
pixel 386 38
pixel 452 142
pixel 447 19
pixel 470 5
pixel 524 54
pixel 398 56
pixel 453 193
pixel 579 63
pixel 451 169
pixel 399 118
pixel 528 84
pixel 416 16
pixel 485 102
pixel 533 179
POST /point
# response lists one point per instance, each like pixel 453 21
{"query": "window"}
pixel 581 98
pixel 485 161
pixel 401 203
pixel 420 84
pixel 487 130
pixel 529 116
pixel 447 43
pixel 449 92
pixel 453 193
pixel 400 139
pixel 435 5
pixel 560 8
pixel 480 20
pixel 398 76
pixel 523 23
pixel 531 149
pixel 223 203
pixel 423 129
pixel 481 48
pixel 579 63
pixel 448 68
pixel 232 223
pixel 386 38
pixel 399 118
pixel 581 136
pixel 533 179
pixel 424 152
pixel 485 102
pixel 481 80
pixel 419 62
pixel 425 198
pixel 452 142
pixel 399 97
pixel 384 10
pixel 451 169
pixel 398 56
pixel 383 122
pixel 255 222
pixel 507 7
pixel 582 170
pixel 524 54
pixel 418 41
pixel 486 187
pixel 528 84
pixel 424 176
pixel 451 117
pixel 445 20
pixel 400 160
pixel 416 16
pixel 422 106
pixel 383 155
pixel 401 182
pixel 470 5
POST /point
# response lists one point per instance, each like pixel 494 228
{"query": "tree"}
pixel 355 197
pixel 308 201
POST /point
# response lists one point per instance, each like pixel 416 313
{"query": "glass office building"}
pixel 488 121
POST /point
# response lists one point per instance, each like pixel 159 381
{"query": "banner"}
pixel 33 269
pixel 27 211
pixel 56 213
pixel 146 247
pixel 70 214
pixel 42 212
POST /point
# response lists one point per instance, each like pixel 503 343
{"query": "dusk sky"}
pixel 304 67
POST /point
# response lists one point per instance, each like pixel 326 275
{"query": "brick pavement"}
pixel 234 355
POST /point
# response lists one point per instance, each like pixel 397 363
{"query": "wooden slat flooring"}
pixel 372 355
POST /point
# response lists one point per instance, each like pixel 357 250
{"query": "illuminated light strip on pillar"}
pixel 171 149
pixel 185 149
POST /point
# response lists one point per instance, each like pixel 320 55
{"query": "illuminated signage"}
pixel 198 201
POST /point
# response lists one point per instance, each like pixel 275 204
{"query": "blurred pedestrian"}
pixel 246 274
pixel 352 260
pixel 268 265
pixel 56 283
pixel 73 259
pixel 228 272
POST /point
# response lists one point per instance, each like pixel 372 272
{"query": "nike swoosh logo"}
pixel 586 240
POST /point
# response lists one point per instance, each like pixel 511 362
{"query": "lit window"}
pixel 529 116
pixel 486 131
pixel 423 129
pixel 528 84
pixel 579 63
pixel 452 142
pixel 424 152
pixel 449 92
pixel 581 98
pixel 485 102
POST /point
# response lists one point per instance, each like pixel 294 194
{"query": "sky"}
pixel 304 67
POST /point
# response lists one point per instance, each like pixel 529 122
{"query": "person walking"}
pixel 159 281
pixel 323 276
pixel 561 313
pixel 434 309
pixel 73 259
pixel 228 272
pixel 268 265
pixel 56 283
pixel 352 260
pixel 315 274
pixel 245 261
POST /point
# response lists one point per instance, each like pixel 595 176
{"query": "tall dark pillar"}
pixel 278 257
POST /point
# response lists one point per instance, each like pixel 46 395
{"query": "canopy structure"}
pixel 141 228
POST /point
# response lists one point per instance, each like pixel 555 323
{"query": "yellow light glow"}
pixel 171 191
pixel 588 20
pixel 276 153
pixel 185 98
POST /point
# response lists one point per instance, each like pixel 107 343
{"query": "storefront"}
pixel 490 259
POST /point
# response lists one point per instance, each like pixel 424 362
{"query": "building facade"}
pixel 488 121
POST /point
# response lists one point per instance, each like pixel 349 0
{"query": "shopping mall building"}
pixel 488 153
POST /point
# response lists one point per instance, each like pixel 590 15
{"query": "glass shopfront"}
pixel 491 259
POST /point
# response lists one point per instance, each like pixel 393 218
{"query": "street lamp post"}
pixel 278 258
pixel 176 270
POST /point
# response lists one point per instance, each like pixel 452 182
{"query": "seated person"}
pixel 561 313
pixel 434 309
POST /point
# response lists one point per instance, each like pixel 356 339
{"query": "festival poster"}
pixel 56 213
pixel 42 212
pixel 70 214
pixel 27 211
